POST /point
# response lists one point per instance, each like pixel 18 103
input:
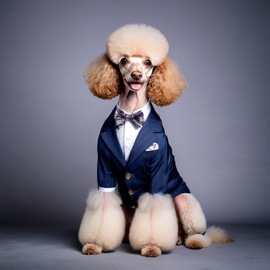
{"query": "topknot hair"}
pixel 137 40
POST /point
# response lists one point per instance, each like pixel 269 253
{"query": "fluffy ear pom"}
pixel 103 78
pixel 166 83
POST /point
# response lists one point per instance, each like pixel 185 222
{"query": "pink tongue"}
pixel 135 86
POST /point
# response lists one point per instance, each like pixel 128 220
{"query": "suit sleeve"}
pixel 164 175
pixel 105 175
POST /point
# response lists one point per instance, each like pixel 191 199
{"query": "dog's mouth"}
pixel 135 85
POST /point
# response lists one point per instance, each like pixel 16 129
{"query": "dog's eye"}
pixel 147 63
pixel 124 61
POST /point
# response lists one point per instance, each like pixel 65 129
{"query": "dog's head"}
pixel 135 71
pixel 136 56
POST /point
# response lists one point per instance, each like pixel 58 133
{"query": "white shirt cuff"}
pixel 106 189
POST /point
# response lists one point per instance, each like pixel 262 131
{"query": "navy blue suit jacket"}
pixel 145 171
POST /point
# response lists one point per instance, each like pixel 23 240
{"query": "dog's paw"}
pixel 198 241
pixel 90 248
pixel 150 251
pixel 194 244
pixel 180 240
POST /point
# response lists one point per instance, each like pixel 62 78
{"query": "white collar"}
pixel 145 109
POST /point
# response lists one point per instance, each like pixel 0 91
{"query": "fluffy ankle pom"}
pixel 103 223
pixel 154 224
pixel 197 241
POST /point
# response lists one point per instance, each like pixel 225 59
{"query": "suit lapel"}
pixel 146 136
pixel 109 136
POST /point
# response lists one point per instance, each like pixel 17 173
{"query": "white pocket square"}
pixel 153 147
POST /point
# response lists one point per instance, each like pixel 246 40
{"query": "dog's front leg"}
pixel 192 218
pixel 103 224
pixel 154 227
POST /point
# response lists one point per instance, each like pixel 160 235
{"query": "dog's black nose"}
pixel 136 75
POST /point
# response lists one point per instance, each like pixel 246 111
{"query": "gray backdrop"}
pixel 219 129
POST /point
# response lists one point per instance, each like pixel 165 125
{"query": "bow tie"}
pixel 136 118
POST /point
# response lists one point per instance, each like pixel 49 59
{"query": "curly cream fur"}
pixel 103 223
pixel 193 222
pixel 198 241
pixel 191 215
pixel 103 78
pixel 213 235
pixel 154 223
pixel 137 40
pixel 166 83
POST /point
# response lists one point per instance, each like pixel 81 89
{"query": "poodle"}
pixel 153 208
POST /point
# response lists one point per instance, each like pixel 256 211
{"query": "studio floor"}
pixel 58 248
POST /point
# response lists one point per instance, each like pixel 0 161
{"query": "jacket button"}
pixel 128 175
pixel 131 192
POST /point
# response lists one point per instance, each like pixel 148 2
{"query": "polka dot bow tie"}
pixel 137 118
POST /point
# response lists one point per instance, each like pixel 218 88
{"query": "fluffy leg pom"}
pixel 218 235
pixel 103 224
pixel 198 241
pixel 154 226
